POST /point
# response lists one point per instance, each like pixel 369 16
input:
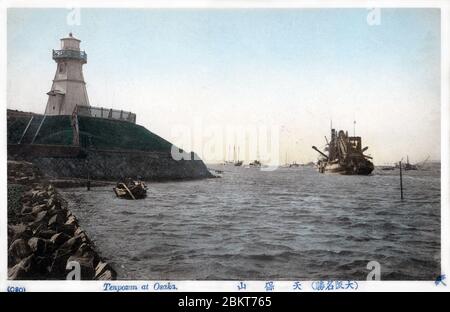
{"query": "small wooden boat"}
pixel 131 189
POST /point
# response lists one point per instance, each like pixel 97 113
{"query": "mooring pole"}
pixel 88 182
pixel 401 180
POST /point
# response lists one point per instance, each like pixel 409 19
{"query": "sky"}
pixel 211 79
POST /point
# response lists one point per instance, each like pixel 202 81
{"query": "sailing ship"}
pixel 408 165
pixel 238 162
pixel 387 168
pixel 345 155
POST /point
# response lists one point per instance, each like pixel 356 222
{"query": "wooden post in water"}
pixel 401 180
pixel 88 182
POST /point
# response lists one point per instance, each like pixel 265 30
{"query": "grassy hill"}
pixel 115 134
pixel 94 132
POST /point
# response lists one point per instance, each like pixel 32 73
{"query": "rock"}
pixel 56 221
pixel 26 209
pixel 39 246
pixel 10 235
pixel 101 269
pixel 84 238
pixel 71 220
pixel 107 275
pixel 39 197
pixel 43 266
pixel 54 201
pixel 58 266
pixel 29 217
pixel 51 201
pixel 19 231
pixel 30 268
pixel 39 223
pixel 45 233
pixel 18 250
pixel 25 269
pixel 59 239
pixel 52 211
pixel 72 244
pixel 85 256
pixel 38 227
pixel 57 203
pixel 39 208
pixel 26 202
pixel 40 217
pixel 68 229
pixel 78 231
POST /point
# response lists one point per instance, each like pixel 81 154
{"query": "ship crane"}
pixel 317 150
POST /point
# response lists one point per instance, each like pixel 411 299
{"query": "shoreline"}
pixel 45 240
pixel 75 182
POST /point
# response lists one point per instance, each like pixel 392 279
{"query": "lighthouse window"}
pixel 61 68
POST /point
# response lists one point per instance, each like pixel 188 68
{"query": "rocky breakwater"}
pixel 45 240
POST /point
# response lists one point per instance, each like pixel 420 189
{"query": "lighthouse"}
pixel 68 88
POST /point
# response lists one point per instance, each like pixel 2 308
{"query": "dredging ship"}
pixel 345 155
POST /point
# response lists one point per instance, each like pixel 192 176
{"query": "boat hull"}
pixel 336 168
pixel 134 190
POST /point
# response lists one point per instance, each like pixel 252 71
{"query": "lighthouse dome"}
pixel 70 43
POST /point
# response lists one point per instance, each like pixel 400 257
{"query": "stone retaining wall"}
pixel 111 165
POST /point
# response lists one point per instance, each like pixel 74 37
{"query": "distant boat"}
pixel 236 162
pixel 408 165
pixel 255 164
pixel 290 165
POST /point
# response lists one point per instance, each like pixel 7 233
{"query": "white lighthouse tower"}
pixel 68 88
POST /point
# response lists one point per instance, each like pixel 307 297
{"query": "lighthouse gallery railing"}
pixel 60 54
